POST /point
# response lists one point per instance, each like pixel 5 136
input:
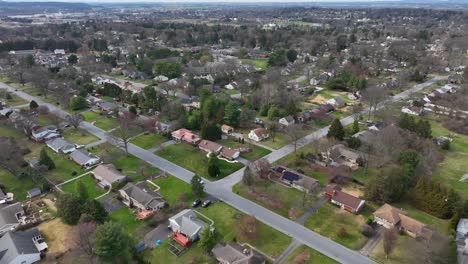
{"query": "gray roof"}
pixel 188 222
pixel 59 144
pixel 143 194
pixel 81 156
pixel 234 253
pixel 13 244
pixel 8 214
pixel 34 192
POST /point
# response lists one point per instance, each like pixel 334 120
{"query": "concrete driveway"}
pixel 111 203
pixel 159 233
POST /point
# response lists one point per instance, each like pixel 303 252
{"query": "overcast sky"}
pixel 199 1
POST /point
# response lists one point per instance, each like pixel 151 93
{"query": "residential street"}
pixel 222 188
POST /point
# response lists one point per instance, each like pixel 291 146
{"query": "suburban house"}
pixel 107 106
pixel 43 134
pixel 186 227
pixel 413 110
pixel 227 129
pixel 391 217
pixel 213 147
pixel 344 200
pixel 462 236
pixel 258 134
pixel 296 179
pixel 304 117
pixel 60 145
pixel 455 79
pixel 139 195
pixel 233 253
pixel 185 135
pixel 337 101
pixel 339 155
pixel 286 121
pixel 84 159
pixel 107 175
pixel 5 197
pixel 11 216
pixel 23 247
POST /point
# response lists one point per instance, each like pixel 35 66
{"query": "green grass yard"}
pixel 289 197
pixel 106 123
pixel 256 153
pixel 131 165
pixel 147 141
pixel 329 219
pixel 127 218
pixel 172 187
pixel 78 136
pixel 90 184
pixel 195 160
pixel 161 254
pixel 91 116
pixel 15 185
pixel 314 256
pixel 423 217
pixel 7 131
pixel 262 64
pixel 16 100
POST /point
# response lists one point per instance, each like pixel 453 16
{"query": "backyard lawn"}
pixel 147 141
pixel 106 123
pixel 268 240
pixel 161 254
pixel 423 217
pixel 195 160
pixel 89 182
pixel 454 165
pixel 313 256
pixel 127 218
pixel 78 136
pixel 276 197
pixel 17 186
pixel 256 153
pixel 329 220
pixel 262 64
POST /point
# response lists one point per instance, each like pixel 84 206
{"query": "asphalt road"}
pixel 222 188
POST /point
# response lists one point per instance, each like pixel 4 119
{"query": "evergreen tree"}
pixel 336 130
pixel 69 208
pixel 197 187
pixel 33 105
pixel 207 239
pixel 110 240
pixel 213 167
pixel 96 211
pixel 355 126
pixel 232 114
pixel 45 160
pixel 273 112
pixel 81 191
pixel 290 108
pixel 211 131
pixel 264 110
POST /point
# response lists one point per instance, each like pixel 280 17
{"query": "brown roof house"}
pixel 227 129
pixel 391 217
pixel 107 175
pixel 258 134
pixel 139 195
pixel 234 253
pixel 213 147
pixel 344 200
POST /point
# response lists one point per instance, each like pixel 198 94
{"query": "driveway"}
pixel 111 203
pixel 159 233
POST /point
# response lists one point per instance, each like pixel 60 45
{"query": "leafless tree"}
pixel 272 129
pixel 389 240
pixel 294 132
pixel 17 73
pixel 81 237
pixel 75 120
pixel 11 159
pixel 261 167
pixel 54 118
pixel 43 110
pixel 373 96
pixel 122 135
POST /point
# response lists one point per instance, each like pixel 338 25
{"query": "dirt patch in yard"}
pixel 50 204
pixel 318 100
pixel 56 233
pixel 265 198
pixel 353 190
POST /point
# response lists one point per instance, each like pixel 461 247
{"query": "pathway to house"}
pixel 372 242
pixel 96 143
pixel 161 146
pixel 223 188
pixel 294 244
pixel 72 179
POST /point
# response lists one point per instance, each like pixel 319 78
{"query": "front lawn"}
pixel 79 136
pixel 15 185
pixel 268 240
pixel 329 220
pixel 276 197
pixel 255 153
pixel 90 116
pixel 195 160
pixel 310 255
pixel 147 141
pixel 127 218
pixel 89 182
pixel 106 123
pixel 454 165
pixel 133 166
pixel 172 187
pixel 16 100
pixel 401 253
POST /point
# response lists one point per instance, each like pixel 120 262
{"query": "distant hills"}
pixel 16 8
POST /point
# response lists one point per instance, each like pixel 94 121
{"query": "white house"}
pixel 286 121
pixel 23 247
pixel 187 223
pixel 258 134
pixel 416 111
pixel 84 159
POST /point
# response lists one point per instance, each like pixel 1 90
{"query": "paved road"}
pixel 222 188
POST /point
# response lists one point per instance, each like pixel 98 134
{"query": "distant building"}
pixel 185 135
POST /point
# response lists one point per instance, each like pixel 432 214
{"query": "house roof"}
pixel 414 226
pixel 345 198
pixel 226 127
pixel 260 132
pixel 59 144
pixel 462 226
pixel 389 213
pixel 210 145
pixel 234 253
pixel 108 172
pixel 81 156
pixel 13 244
pixel 34 192
pixel 340 150
pixel 188 222
pixel 145 196
pixel 290 176
pixel 8 214
pixel 289 119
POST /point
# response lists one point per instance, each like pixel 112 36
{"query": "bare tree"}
pixel 373 96
pixel 54 118
pixel 11 159
pixel 272 129
pixel 294 132
pixel 81 237
pixel 122 135
pixel 261 167
pixel 389 240
pixel 75 120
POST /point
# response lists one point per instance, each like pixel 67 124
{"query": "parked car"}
pixel 206 203
pixel 196 203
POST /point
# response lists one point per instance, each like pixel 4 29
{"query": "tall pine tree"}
pixel 336 130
